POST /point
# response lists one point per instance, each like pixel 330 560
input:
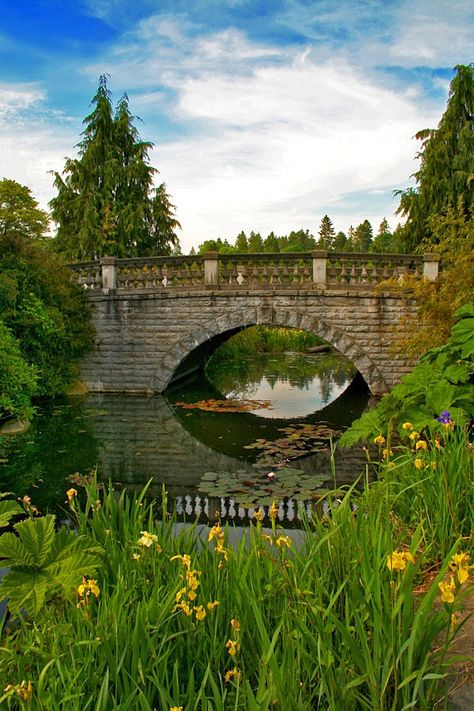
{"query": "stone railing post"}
pixel 431 266
pixel 108 271
pixel 211 268
pixel 319 266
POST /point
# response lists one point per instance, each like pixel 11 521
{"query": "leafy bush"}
pixel 442 380
pixel 46 314
pixel 18 380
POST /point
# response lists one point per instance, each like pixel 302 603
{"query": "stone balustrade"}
pixel 319 269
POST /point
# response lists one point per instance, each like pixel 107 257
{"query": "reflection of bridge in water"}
pixel 158 315
pixel 141 438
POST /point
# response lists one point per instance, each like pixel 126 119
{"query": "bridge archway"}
pixel 218 328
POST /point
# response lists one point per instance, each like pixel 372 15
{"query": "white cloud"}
pixel 30 147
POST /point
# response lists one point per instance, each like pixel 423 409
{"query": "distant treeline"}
pixel 357 239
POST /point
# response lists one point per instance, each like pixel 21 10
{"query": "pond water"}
pixel 209 461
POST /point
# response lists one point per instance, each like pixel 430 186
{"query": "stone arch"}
pixel 249 316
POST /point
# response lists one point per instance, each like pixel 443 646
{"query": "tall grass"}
pixel 343 620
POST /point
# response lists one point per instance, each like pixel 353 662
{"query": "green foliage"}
pixel 326 233
pixel 443 380
pixel 106 202
pixel 44 563
pixel 445 177
pixel 18 380
pixel 45 317
pixel 20 216
pixel 355 634
pixel 8 509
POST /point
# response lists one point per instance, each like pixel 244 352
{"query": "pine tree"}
pixel 241 243
pixel 363 236
pixel 106 202
pixel 445 178
pixel 326 233
pixel 383 240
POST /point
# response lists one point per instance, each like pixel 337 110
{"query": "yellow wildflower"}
pixel 24 691
pixel 419 464
pixel 212 605
pixel 459 565
pixel 447 590
pixel 380 439
pixel 185 560
pixel 136 556
pixel 455 619
pixel 232 647
pixel 421 444
pixel 267 538
pixel 398 560
pixel 184 607
pixel 215 532
pixel 200 612
pixel 147 539
pixel 232 674
pixel 71 494
pixel 191 579
pixel 407 426
pixel 235 624
pixel 414 436
pixel 283 541
pixel 387 453
pixel 87 587
pixel 176 708
pixel 220 550
pixel 273 510
pixel 258 515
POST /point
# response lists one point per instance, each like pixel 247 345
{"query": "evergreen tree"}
pixel 271 244
pixel 340 241
pixel 350 243
pixel 383 240
pixel 255 243
pixel 326 233
pixel 106 202
pixel 363 236
pixel 445 177
pixel 241 243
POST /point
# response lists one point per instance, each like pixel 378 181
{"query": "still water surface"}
pixel 131 439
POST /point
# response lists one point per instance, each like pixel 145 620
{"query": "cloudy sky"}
pixel 265 114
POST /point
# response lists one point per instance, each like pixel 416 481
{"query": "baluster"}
pixel 353 277
pixel 343 274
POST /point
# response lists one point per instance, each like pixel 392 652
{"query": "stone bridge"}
pixel 156 317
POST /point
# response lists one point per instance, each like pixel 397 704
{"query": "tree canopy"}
pixel 106 202
pixel 44 317
pixel 445 178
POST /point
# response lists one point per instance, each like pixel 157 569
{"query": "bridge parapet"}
pixel 319 269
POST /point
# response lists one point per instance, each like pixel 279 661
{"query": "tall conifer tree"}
pixel 106 202
pixel 446 175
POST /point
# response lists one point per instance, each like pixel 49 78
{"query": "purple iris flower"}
pixel 445 417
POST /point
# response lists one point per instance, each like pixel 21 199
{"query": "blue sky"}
pixel 265 114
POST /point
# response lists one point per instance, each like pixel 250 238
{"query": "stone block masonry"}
pixel 143 335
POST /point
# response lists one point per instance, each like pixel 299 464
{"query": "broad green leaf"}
pixel 37 536
pixel 25 590
pixel 9 509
